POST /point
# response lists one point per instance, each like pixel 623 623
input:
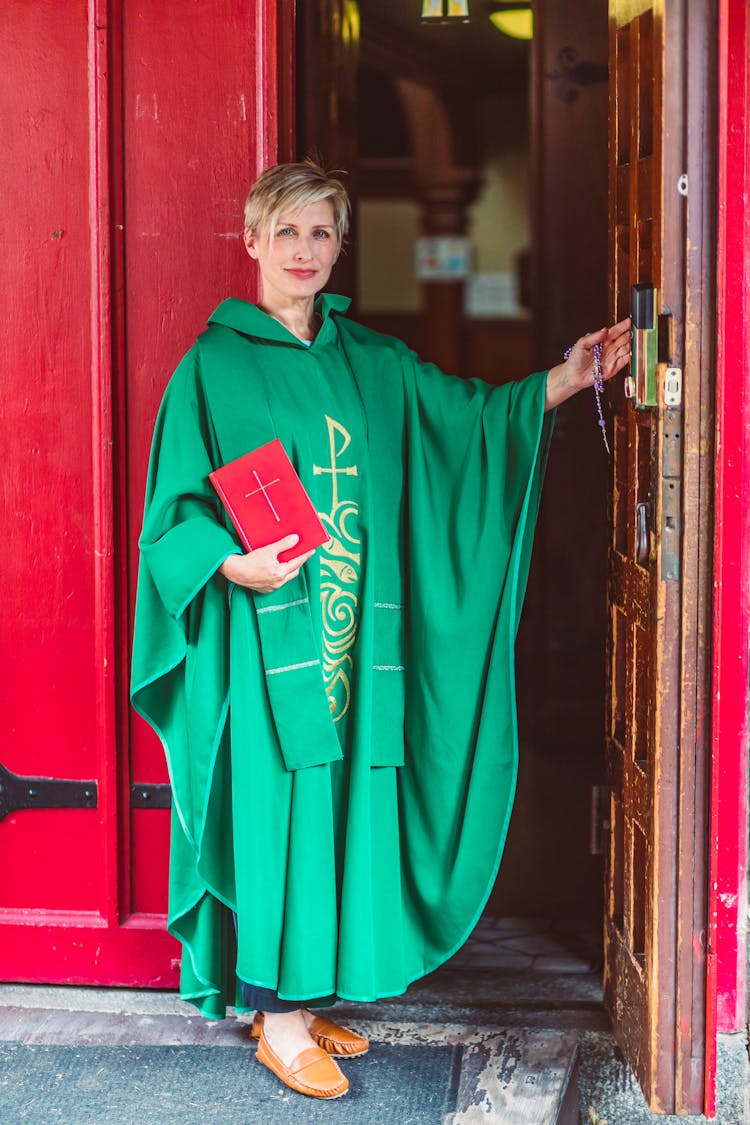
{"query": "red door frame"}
pixel 727 937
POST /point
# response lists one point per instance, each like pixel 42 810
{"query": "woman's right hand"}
pixel 260 570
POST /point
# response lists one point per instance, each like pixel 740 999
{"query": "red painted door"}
pixel 130 133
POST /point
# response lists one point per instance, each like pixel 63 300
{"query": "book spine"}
pixel 230 512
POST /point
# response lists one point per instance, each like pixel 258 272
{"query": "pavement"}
pixel 90 1056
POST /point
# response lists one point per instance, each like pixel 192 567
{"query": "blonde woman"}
pixel 340 727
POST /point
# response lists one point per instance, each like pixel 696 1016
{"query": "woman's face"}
pixel 297 261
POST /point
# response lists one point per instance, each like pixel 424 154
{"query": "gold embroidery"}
pixel 339 567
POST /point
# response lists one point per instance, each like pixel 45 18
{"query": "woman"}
pixel 340 728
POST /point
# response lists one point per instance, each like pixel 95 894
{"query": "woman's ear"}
pixel 250 241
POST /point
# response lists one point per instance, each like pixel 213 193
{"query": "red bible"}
pixel 266 500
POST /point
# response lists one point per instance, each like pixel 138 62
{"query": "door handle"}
pixel 642 535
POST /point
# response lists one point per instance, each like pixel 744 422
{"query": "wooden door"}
pixel 661 172
pixel 130 133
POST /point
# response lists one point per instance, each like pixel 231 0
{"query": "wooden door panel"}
pixel 659 586
pixel 48 603
pixel 30 875
pixel 188 159
pixel 130 134
pixel 633 643
pixel 47 611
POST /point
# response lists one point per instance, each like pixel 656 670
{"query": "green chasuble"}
pixel 343 751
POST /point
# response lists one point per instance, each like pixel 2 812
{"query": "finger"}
pixel 284 544
pixel 299 560
pixel 589 342
pixel 616 363
pixel 617 351
pixel 620 328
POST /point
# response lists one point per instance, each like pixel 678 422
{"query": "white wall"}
pixel 498 222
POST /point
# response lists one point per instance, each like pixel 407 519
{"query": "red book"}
pixel 266 500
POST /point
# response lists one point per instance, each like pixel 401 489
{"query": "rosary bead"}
pixel 598 388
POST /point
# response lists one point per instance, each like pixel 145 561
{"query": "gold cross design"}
pixel 349 471
pixel 262 488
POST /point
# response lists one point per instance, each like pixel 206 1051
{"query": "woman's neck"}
pixel 299 317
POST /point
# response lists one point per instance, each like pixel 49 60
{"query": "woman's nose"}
pixel 304 250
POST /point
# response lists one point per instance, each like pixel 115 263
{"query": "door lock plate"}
pixel 673 387
pixel 671 500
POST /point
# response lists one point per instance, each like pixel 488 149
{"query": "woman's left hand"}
pixel 577 372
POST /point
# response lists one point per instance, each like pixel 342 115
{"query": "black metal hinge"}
pixel 150 796
pixel 18 793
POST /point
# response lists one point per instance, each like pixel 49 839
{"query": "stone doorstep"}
pixel 519 1075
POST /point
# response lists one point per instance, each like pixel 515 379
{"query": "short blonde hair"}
pixel 290 187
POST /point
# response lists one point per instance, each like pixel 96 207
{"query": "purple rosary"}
pixel 598 388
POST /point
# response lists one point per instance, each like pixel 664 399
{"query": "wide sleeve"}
pixel 475 461
pixel 181 614
pixel 184 539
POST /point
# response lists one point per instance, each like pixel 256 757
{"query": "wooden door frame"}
pixel 727 940
pixel 694 1080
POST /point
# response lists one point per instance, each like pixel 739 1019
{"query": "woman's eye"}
pixel 322 234
pixel 286 230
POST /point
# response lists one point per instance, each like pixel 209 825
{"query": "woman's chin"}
pixel 307 285
pixel 292 288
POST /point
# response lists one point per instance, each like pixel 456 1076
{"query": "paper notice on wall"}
pixel 443 259
pixel 490 295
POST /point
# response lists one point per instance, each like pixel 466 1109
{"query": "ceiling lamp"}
pixel 445 11
pixel 514 19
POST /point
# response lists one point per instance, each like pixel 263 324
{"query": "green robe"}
pixel 342 752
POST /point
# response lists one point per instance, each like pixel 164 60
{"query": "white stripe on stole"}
pixel 284 605
pixel 292 667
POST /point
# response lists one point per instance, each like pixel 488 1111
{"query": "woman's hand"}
pixel 260 570
pixel 577 373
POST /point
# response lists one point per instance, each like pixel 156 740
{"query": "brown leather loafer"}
pixel 312 1072
pixel 338 1042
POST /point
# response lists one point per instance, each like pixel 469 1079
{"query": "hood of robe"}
pixel 247 318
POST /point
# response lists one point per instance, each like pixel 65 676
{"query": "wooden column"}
pixel 444 215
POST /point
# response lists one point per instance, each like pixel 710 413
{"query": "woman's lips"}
pixel 302 273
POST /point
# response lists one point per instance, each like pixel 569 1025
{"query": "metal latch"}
pixel 673 386
pixel 642 536
pixel 671 495
pixel 599 824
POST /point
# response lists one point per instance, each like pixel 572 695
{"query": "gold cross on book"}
pixel 262 488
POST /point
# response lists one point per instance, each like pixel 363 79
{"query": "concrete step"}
pixel 519 1077
pixel 506 1075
